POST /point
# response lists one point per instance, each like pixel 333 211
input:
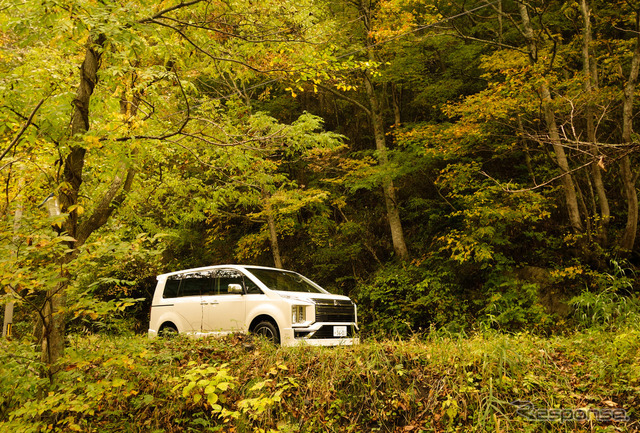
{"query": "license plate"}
pixel 339 331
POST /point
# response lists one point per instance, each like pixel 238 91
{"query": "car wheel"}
pixel 168 331
pixel 267 330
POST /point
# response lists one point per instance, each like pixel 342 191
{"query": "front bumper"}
pixel 325 342
pixel 320 334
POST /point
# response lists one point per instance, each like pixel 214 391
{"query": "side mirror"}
pixel 235 288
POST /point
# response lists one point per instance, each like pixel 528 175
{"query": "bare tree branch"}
pixel 16 139
pixel 206 53
pixel 214 142
pixel 533 188
pixel 171 9
pixel 346 98
pixel 261 39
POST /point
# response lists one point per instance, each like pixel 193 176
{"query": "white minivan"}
pixel 281 305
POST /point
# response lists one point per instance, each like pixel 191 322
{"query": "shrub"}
pixel 236 384
pixel 400 300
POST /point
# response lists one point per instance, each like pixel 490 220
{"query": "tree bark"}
pixel 273 232
pixel 388 189
pixel 590 84
pixel 568 186
pixel 53 311
pixel 377 121
pixel 628 178
pixel 7 321
pixel 627 241
pixel 396 94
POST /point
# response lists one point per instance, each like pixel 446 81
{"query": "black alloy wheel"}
pixel 267 330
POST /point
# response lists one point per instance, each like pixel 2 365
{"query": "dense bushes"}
pixel 400 300
pixel 405 299
pixel 438 383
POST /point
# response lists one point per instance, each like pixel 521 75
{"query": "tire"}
pixel 267 330
pixel 168 331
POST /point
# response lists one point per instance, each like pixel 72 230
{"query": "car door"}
pixel 187 303
pixel 224 308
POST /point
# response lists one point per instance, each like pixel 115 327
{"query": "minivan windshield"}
pixel 285 281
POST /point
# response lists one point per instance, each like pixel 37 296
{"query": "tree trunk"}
pixel 388 189
pixel 627 176
pixel 53 327
pixel 52 314
pixel 7 321
pixel 53 311
pixel 273 232
pixel 55 302
pixel 627 241
pixel 568 186
pixel 377 121
pixel 396 94
pixel 590 84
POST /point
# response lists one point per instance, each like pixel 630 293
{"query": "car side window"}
pixel 192 284
pixel 209 283
pixel 224 277
pixel 171 287
pixel 251 288
pixel 195 285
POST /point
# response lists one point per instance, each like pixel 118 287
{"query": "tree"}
pixel 577 110
pixel 590 71
pixel 568 186
pixel 136 89
pixel 341 77
pixel 628 177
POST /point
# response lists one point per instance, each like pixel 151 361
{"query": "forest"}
pixel 456 167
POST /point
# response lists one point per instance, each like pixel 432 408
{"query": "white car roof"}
pixel 207 268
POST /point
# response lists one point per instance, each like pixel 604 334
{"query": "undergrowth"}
pixel 237 384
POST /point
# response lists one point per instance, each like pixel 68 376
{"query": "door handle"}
pixel 209 303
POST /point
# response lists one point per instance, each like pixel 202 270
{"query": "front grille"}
pixel 327 332
pixel 329 310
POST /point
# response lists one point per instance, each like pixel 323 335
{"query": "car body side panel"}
pixel 185 313
pixel 224 313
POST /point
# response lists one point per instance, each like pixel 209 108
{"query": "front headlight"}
pixel 298 314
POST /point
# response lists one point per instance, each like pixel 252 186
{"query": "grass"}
pixel 432 384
